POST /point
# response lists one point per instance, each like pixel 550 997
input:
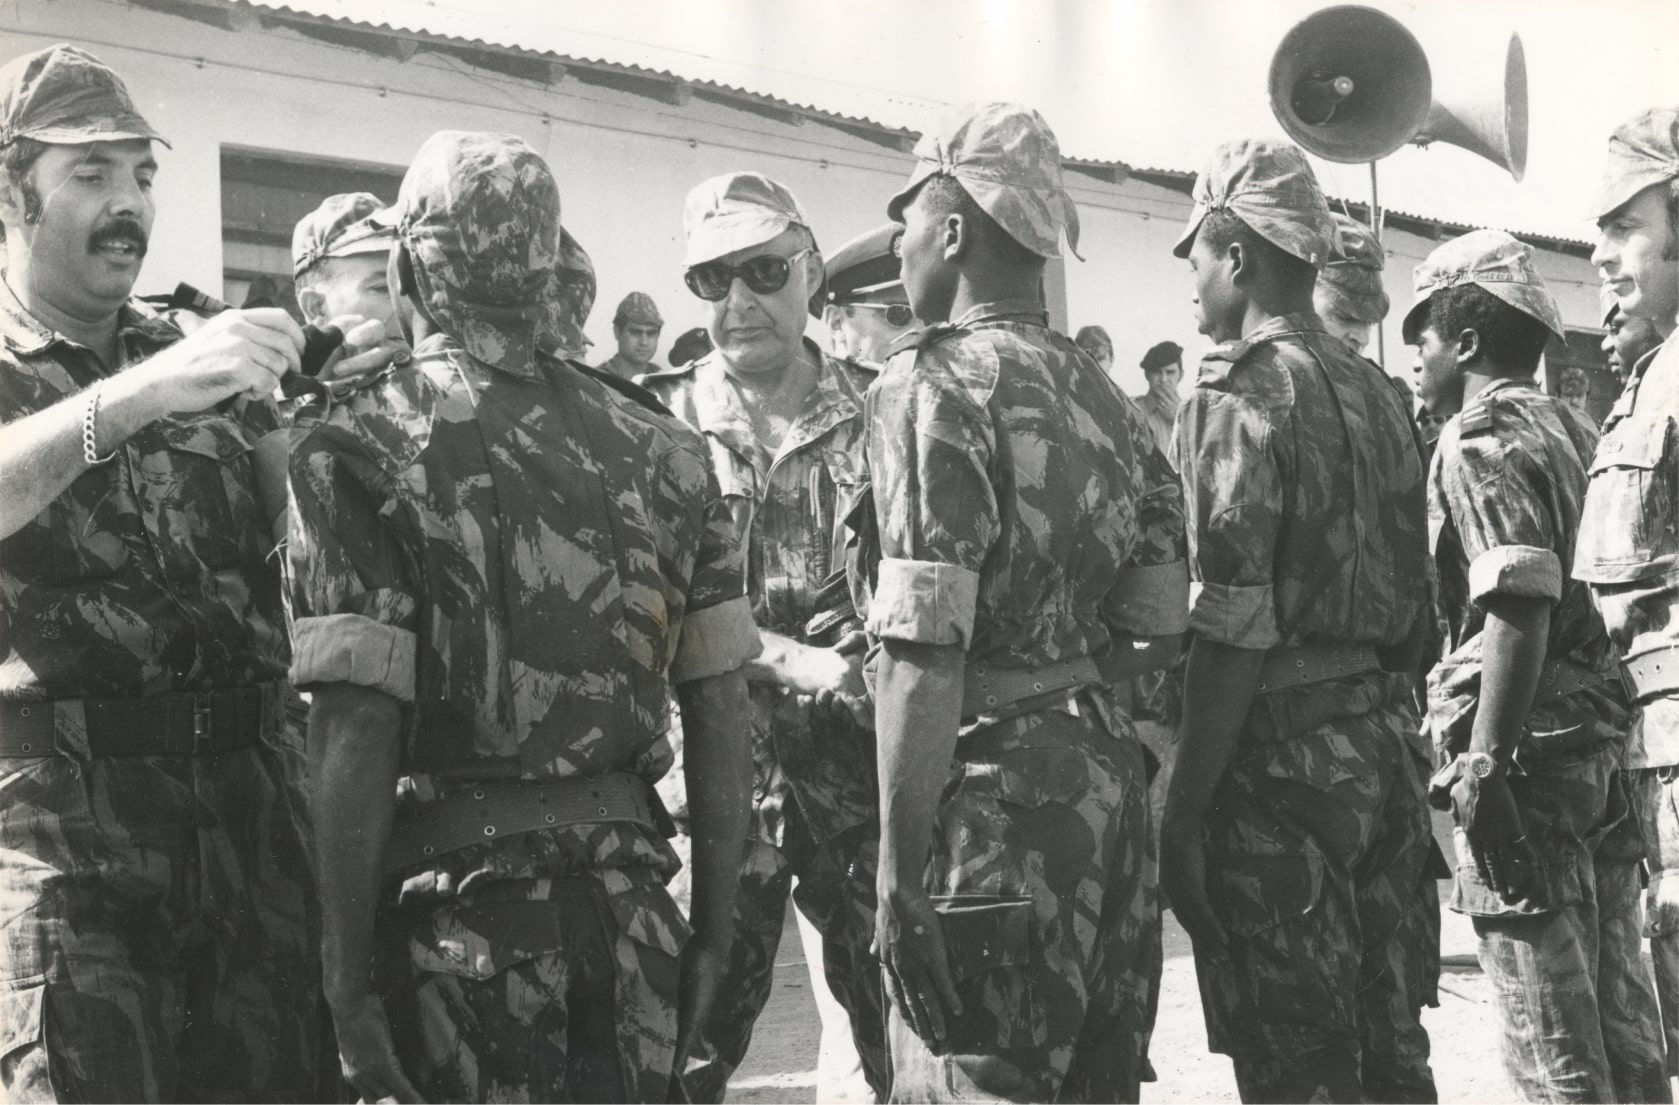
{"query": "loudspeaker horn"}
pixel 1490 123
pixel 1350 84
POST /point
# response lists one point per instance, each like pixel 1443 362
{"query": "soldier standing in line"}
pixel 1349 296
pixel 1295 833
pixel 1626 340
pixel 784 424
pixel 636 325
pixel 501 563
pixel 1526 707
pixel 1628 546
pixel 1018 918
pixel 158 940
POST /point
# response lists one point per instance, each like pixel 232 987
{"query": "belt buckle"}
pixel 202 729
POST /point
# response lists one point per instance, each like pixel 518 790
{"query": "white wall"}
pixel 624 163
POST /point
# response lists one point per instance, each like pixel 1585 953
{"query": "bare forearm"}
pixel 1512 657
pixel 41 455
pixel 777 663
pixel 354 750
pixel 717 767
pixel 918 711
pixel 1219 683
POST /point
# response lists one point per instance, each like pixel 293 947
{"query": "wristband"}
pixel 90 413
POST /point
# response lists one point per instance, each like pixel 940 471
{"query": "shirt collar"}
pixel 27 336
pixel 1277 326
pixel 1030 309
pixel 718 409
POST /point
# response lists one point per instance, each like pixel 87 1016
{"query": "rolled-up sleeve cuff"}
pixel 1242 617
pixel 925 602
pixel 715 641
pixel 1153 599
pixel 1525 571
pixel 350 648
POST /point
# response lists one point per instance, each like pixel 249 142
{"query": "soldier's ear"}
pixel 956 237
pixel 313 305
pixel 1468 347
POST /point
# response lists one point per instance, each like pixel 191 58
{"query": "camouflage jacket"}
pixel 149 574
pixel 1023 513
pixel 526 559
pixel 1629 541
pixel 1505 491
pixel 1304 488
pixel 790 510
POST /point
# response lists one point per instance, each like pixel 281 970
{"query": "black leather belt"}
pixel 157 725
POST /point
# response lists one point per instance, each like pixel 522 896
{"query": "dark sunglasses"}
pixel 897 314
pixel 764 274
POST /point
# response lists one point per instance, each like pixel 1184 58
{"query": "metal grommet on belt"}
pixel 478 794
pixel 991 700
pixel 428 849
pixel 27 747
pixel 489 830
pixel 601 810
pixel 550 818
pixel 1037 686
pixel 23 711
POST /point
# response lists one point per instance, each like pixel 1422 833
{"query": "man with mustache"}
pixel 784 423
pixel 157 942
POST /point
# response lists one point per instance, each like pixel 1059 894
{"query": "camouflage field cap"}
pixel 638 308
pixel 570 299
pixel 1493 260
pixel 65 96
pixel 735 211
pixel 1269 186
pixel 342 226
pixel 480 215
pixel 1643 151
pixel 1007 159
pixel 1608 303
pixel 1351 281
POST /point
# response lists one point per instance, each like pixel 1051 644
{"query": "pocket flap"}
pixel 983 932
pixel 20 1015
pixel 1632 444
pixel 208 435
pixel 1256 891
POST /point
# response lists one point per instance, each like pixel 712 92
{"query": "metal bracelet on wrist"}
pixel 90 415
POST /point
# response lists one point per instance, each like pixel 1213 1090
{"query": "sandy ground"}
pixel 780 1066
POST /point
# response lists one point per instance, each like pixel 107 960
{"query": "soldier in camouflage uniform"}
pixel 784 426
pixel 1629 533
pixel 1527 703
pixel 1349 296
pixel 502 561
pixel 158 936
pixel 636 326
pixel 1295 831
pixel 1018 559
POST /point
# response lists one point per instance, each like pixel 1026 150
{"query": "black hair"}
pixel 1510 338
pixel 16 159
pixel 1223 229
pixel 945 196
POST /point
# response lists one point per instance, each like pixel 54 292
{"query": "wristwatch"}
pixel 1482 766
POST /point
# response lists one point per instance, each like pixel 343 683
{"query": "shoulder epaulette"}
pixel 865 368
pixel 1231 351
pixel 1475 419
pixel 922 338
pixel 671 373
pixel 624 387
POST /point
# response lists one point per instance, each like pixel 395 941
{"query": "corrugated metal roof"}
pixel 1437 184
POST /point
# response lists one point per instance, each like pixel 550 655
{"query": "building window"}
pixel 264 194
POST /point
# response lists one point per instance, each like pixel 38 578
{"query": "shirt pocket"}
pixel 201 490
pixel 1629 527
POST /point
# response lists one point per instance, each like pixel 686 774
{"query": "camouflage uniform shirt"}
pixel 790 508
pixel 1505 491
pixel 1628 549
pixel 1305 513
pixel 147 575
pixel 525 559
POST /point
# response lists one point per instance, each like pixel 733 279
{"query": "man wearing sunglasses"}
pixel 1022 549
pixel 784 425
pixel 866 309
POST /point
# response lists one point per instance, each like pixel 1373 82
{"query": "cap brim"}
pixel 895 206
pixel 1620 192
pixel 1186 242
pixel 123 130
pixel 1410 327
pixel 1511 294
pixel 716 237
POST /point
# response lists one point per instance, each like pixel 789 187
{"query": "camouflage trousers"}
pixel 159 933
pixel 1565 961
pixel 835 892
pixel 1317 846
pixel 1062 1010
pixel 1655 794
pixel 507 997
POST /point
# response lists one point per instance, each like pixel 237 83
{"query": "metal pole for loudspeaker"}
pixel 1376 230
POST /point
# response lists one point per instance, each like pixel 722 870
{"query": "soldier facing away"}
pixel 1526 706
pixel 1018 916
pixel 501 564
pixel 1295 831
pixel 784 426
